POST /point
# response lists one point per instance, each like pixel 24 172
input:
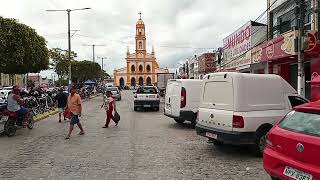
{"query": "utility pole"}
pixel 69 38
pixel 93 46
pixel 102 63
pixel 301 37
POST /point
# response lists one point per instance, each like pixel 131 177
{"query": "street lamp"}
pixel 69 35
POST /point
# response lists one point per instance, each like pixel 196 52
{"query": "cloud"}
pixel 170 25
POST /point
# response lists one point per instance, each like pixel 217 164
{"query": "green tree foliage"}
pixel 22 50
pixel 84 70
pixel 60 61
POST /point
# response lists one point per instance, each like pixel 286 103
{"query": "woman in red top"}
pixel 110 105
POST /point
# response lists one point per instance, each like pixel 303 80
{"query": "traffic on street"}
pixel 145 145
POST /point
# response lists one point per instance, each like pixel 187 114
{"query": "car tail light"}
pixel 158 96
pixel 237 122
pixel 183 102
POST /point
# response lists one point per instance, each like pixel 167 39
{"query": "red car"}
pixel 293 145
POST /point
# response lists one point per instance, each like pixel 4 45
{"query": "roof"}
pixel 140 21
pixel 309 107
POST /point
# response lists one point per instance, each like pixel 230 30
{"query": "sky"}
pixel 178 29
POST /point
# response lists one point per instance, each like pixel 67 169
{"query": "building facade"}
pixel 206 64
pixel 281 53
pixel 11 80
pixel 142 67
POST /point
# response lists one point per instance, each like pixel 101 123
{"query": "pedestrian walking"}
pixel 61 99
pixel 75 107
pixel 110 106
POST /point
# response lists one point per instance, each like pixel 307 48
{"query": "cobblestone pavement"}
pixel 146 145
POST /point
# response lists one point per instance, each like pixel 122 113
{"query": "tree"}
pixel 84 70
pixel 22 50
pixel 60 61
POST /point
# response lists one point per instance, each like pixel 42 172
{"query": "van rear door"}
pixel 217 102
pixel 173 98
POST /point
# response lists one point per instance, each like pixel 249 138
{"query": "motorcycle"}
pixel 8 122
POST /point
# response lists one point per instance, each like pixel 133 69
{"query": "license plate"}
pixel 297 174
pixel 210 135
pixel 146 105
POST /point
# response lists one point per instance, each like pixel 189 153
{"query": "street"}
pixel 145 145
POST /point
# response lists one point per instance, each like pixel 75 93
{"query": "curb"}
pixel 44 115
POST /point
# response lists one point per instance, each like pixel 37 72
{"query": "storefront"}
pixel 281 56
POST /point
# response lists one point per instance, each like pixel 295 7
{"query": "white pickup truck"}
pixel 146 97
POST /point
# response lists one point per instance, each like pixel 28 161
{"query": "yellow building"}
pixel 142 67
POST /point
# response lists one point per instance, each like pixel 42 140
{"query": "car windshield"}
pixel 302 122
pixel 147 90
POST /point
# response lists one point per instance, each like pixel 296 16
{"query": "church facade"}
pixel 142 67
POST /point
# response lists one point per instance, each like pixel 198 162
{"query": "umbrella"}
pixel 89 82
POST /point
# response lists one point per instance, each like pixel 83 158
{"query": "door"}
pixel 293 76
pixel 217 103
pixel 173 98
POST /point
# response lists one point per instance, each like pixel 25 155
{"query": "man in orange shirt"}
pixel 75 107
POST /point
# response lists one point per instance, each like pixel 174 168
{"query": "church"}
pixel 142 67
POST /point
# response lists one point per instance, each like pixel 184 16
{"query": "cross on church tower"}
pixel 140 13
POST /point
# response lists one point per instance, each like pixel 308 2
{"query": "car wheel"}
pixel 261 142
pixel 120 98
pixel 180 121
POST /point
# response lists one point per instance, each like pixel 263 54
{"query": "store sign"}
pixel 277 48
pixel 238 43
pixel 242 60
pixel 312 41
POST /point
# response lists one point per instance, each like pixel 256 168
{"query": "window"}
pixel 140 68
pixel 140 45
pixel 147 90
pixel 148 68
pixel 133 68
pixel 296 101
pixel 306 123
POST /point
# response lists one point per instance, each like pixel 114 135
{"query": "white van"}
pixel 182 99
pixel 239 108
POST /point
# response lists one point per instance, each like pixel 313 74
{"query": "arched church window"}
pixel 140 68
pixel 148 68
pixel 140 45
pixel 133 68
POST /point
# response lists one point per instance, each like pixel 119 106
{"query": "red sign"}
pixel 312 41
pixel 277 48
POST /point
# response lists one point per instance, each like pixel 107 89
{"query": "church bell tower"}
pixel 140 37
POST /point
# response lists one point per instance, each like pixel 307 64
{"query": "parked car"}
pixel 146 97
pixel 116 94
pixel 182 99
pixel 293 145
pixel 239 108
pixel 4 96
